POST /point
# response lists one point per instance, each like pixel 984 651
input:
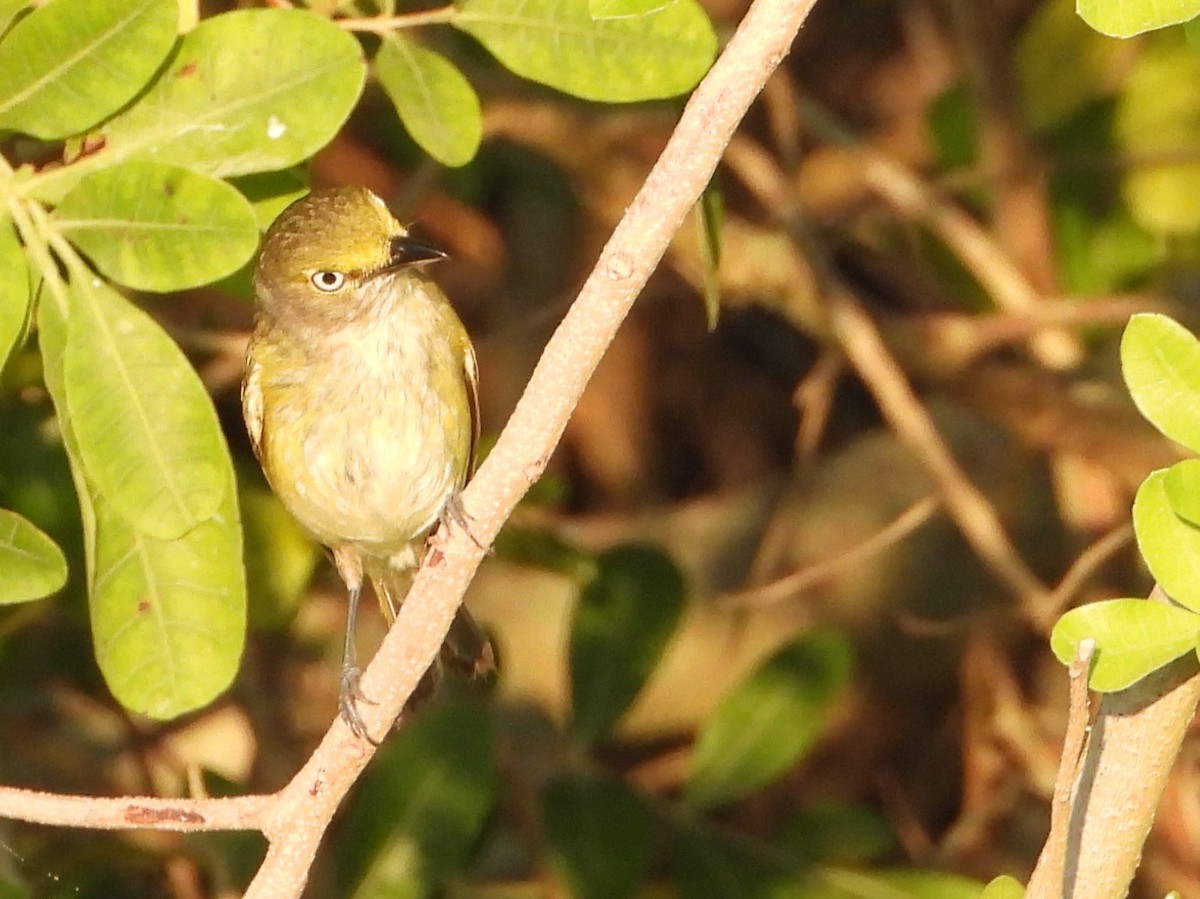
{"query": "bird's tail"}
pixel 467 650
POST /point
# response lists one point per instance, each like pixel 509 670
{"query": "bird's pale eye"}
pixel 328 280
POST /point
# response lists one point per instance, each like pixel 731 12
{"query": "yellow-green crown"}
pixel 344 229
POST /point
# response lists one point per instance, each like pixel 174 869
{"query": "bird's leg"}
pixel 349 566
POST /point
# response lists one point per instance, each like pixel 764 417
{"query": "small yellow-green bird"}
pixel 360 395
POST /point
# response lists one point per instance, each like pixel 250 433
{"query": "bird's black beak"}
pixel 407 250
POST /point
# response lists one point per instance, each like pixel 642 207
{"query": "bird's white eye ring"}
pixel 328 281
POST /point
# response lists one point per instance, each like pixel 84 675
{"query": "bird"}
pixel 360 398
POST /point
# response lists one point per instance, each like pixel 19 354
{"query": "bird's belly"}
pixel 367 462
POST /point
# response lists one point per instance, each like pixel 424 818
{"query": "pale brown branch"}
pixel 129 812
pixel 1047 879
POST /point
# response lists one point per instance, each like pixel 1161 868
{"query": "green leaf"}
pixel 1133 638
pixel 421 805
pixel 435 101
pixel 599 834
pixel 1160 360
pixel 270 193
pixel 14 291
pixel 33 565
pixel 145 428
pixel 625 616
pixel 844 883
pixel 1004 887
pixel 558 43
pixel 620 9
pixel 156 227
pixel 1182 483
pixel 710 215
pixel 253 90
pixel 168 616
pixel 709 867
pixel 1170 545
pixel 770 720
pixel 1158 117
pixel 1125 19
pixel 73 63
pixel 838 832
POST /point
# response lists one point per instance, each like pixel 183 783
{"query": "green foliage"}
pixel 770 720
pixel 557 43
pixel 837 832
pixel 14 291
pixel 1169 544
pixel 1051 92
pixel 435 101
pixel 626 615
pixel 32 563
pixel 1158 115
pixel 1133 637
pixel 158 227
pixel 599 833
pixel 419 808
pixel 69 65
pixel 1182 485
pixel 1125 18
pixel 167 613
pixel 1161 364
pixel 1003 887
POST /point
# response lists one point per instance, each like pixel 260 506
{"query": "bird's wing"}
pixel 252 402
pixel 471 377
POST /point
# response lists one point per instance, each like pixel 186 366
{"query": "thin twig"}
pixel 1084 566
pixel 791 584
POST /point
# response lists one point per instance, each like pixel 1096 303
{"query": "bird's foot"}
pixel 455 513
pixel 349 695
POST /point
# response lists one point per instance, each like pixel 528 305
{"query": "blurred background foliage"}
pixel 744 651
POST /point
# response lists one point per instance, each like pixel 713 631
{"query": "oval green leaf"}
pixel 145 428
pixel 421 805
pixel 433 98
pixel 1004 887
pixel 32 563
pixel 1160 360
pixel 625 617
pixel 1182 483
pixel 168 616
pixel 73 63
pixel 599 834
pixel 1133 638
pixel 1158 117
pixel 157 227
pixel 14 290
pixel 770 720
pixel 1170 545
pixel 1130 17
pixel 248 91
pixel 558 43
